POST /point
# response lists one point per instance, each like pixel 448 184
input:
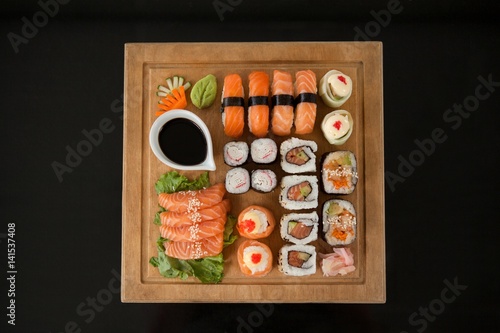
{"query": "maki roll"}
pixel 298 155
pixel 263 151
pixel 299 228
pixel 339 222
pixel 339 172
pixel 235 153
pixel 254 258
pixel 297 260
pixel 264 180
pixel 237 181
pixel 255 222
pixel 299 192
pixel 335 88
pixel 337 127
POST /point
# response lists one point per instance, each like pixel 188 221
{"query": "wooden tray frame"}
pixel 138 286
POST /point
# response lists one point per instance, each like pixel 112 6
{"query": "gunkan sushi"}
pixel 255 222
pixel 254 258
pixel 335 88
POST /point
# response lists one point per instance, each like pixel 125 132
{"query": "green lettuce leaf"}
pixel 172 181
pixel 229 237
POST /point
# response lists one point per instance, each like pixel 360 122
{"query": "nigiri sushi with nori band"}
pixel 282 102
pixel 254 258
pixel 232 107
pixel 305 101
pixel 258 107
pixel 335 88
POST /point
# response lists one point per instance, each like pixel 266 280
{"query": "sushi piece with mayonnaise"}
pixel 255 222
pixel 335 88
pixel 337 127
pixel 254 258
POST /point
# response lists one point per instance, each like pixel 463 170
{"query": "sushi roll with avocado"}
pixel 297 260
pixel 299 228
pixel 335 88
pixel 235 153
pixel 339 172
pixel 339 222
pixel 299 192
pixel 298 156
pixel 264 180
pixel 237 181
pixel 263 151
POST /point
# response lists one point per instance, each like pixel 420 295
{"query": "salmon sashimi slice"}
pixel 282 114
pixel 194 232
pixel 258 108
pixel 192 201
pixel 176 219
pixel 205 247
pixel 233 113
pixel 305 91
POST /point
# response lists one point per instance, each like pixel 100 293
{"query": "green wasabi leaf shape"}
pixel 204 92
pixel 172 181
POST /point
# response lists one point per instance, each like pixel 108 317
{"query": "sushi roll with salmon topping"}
pixel 232 107
pixel 305 101
pixel 258 104
pixel 335 88
pixel 255 222
pixel 254 258
pixel 282 102
pixel 299 228
pixel 299 192
pixel 339 172
pixel 339 222
pixel 298 156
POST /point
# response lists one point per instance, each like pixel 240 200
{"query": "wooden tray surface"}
pixel 147 65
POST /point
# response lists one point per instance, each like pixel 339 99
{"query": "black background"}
pixel 441 222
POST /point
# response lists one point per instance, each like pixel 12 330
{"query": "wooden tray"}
pixel 147 65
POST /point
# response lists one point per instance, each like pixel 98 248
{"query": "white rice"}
pixel 247 258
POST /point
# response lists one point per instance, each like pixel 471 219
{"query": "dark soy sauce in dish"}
pixel 183 142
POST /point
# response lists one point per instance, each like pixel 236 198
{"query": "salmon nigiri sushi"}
pixel 282 101
pixel 305 94
pixel 191 201
pixel 232 107
pixel 258 108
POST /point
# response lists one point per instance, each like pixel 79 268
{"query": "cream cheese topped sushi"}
pixel 255 222
pixel 335 88
pixel 337 127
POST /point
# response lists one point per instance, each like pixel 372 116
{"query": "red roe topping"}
pixel 248 225
pixel 337 125
pixel 342 79
pixel 256 258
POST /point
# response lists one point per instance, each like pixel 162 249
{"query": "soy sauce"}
pixel 183 142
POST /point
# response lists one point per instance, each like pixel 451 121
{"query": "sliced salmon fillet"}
pixel 233 117
pixel 258 115
pixel 205 247
pixel 305 112
pixel 194 232
pixel 177 219
pixel 300 191
pixel 282 115
pixel 191 201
